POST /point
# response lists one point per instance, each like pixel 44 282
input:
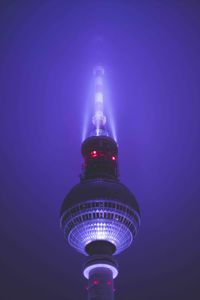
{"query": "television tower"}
pixel 100 217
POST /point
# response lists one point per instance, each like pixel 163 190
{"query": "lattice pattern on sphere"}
pixel 100 220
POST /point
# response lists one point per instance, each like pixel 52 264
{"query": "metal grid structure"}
pixel 100 220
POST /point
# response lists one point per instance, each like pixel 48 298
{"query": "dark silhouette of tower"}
pixel 100 216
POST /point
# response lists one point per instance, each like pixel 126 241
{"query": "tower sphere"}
pixel 100 210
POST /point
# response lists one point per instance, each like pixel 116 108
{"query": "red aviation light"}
pixel 93 153
pixel 95 282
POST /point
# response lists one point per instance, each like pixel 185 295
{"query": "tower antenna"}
pixel 99 118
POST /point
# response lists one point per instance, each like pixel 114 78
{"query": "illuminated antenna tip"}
pixel 99 119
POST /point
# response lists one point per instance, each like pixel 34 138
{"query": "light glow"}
pixel 111 230
pixel 95 282
pixel 99 118
pixel 88 269
pixel 94 153
pixel 97 220
pixel 99 97
pixel 102 115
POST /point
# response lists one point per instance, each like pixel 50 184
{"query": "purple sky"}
pixel 151 53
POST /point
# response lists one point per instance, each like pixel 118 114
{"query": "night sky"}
pixel 151 54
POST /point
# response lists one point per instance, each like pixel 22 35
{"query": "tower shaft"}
pixel 100 284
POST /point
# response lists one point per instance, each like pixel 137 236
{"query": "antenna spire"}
pixel 99 119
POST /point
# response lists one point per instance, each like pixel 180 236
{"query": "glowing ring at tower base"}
pixel 88 269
